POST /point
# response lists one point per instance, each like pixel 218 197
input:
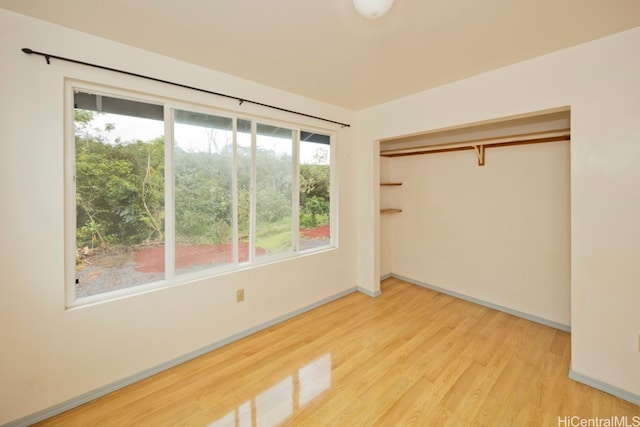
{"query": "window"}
pixel 274 180
pixel 315 190
pixel 203 167
pixel 119 194
pixel 162 194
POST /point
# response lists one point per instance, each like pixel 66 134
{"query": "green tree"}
pixel 204 204
pixel 119 188
pixel 314 195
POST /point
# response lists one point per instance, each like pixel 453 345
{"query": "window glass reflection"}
pixel 278 402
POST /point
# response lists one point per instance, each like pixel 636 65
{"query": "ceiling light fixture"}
pixel 372 9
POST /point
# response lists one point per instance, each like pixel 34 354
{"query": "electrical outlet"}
pixel 240 295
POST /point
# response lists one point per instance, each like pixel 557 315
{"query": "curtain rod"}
pixel 48 57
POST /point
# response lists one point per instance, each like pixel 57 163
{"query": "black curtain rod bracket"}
pixel 48 57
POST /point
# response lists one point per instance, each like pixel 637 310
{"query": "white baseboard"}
pixel 368 292
pixel 99 392
pixel 615 391
pixel 508 310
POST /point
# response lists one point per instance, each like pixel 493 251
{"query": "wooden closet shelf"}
pixel 479 145
pixel 390 210
pixel 390 183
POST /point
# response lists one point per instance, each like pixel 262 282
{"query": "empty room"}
pixel 323 213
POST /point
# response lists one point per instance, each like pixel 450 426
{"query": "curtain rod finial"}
pixel 27 50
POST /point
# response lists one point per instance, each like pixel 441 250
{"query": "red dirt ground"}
pixel 315 233
pixel 151 260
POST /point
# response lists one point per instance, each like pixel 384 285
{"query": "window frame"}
pixel 170 106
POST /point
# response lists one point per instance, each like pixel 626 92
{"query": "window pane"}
pixel 119 159
pixel 203 159
pixel 274 173
pixel 244 187
pixel 315 190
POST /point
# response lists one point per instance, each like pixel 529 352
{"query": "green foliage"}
pixel 274 236
pixel 314 195
pixel 315 212
pixel 119 189
pixel 82 117
pixel 273 187
pixel 120 192
pixel 203 205
pixel 90 232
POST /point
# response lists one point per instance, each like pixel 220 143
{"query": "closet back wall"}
pixel 499 233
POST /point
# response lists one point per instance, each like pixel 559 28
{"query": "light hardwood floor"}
pixel 409 357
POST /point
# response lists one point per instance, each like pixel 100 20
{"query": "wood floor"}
pixel 409 357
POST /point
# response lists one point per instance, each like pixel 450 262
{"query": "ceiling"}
pixel 324 50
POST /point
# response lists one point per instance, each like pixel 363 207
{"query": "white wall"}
pixel 389 197
pixel 48 354
pixel 599 80
pixel 499 233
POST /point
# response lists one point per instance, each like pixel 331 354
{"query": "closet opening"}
pixel 482 212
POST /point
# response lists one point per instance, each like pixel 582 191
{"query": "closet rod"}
pixel 48 57
pixel 563 135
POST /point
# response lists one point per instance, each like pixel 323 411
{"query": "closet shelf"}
pixel 390 210
pixel 479 145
